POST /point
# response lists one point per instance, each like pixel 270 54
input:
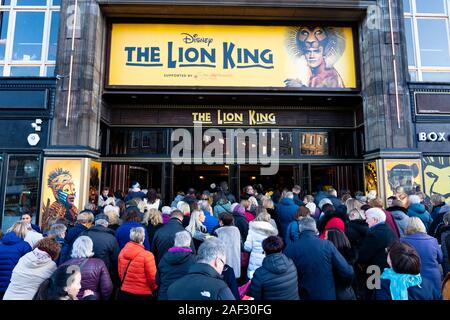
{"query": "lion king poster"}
pixel 60 190
pixel 436 176
pixel 291 57
pixel 402 175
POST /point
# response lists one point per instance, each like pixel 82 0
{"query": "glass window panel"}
pixel 25 71
pixel 430 6
pixel 28 35
pixel 314 143
pixel 56 2
pixel 410 42
pixel 436 76
pixel 5 2
pixel 1 71
pixel 31 2
pixel 413 75
pixel 407 6
pixel 22 184
pixel 4 18
pixel 53 36
pixel 433 42
pixel 285 144
pixel 50 71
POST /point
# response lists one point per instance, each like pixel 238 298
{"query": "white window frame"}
pixel 43 63
pixel 414 16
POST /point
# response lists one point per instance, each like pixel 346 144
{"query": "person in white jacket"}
pixel 231 236
pixel 259 230
pixel 32 269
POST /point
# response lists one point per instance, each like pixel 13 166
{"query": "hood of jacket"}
pixel 417 208
pixel 11 239
pixel 226 206
pixel 174 258
pixel 102 229
pixel 397 208
pixel 204 269
pixel 276 263
pixel 131 250
pixel 286 202
pixel 399 214
pixel 263 227
pixel 36 259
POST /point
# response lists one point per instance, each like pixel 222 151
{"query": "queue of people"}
pixel 277 245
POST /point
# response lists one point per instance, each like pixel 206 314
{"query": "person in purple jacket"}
pixel 94 274
pixel 428 248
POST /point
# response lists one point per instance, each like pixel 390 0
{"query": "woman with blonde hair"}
pixel 267 203
pixel 12 248
pixel 196 228
pixel 259 229
pixel 428 248
pixel 153 220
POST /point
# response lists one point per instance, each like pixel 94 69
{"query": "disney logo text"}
pixel 195 38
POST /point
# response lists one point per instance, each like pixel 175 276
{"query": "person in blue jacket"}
pixel 12 248
pixel 133 219
pixel 403 281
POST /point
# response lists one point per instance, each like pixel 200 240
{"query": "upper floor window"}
pixel 28 37
pixel 427 38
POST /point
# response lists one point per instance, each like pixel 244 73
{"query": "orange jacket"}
pixel 140 277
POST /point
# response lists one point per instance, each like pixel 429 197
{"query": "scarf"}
pixel 400 283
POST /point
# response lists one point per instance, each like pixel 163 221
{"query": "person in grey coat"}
pixel 400 215
pixel 230 235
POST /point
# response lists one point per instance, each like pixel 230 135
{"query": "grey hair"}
pixel 182 239
pixel 289 195
pixel 210 249
pixel 102 222
pixel 137 234
pixel 83 247
pixel 57 230
pixel 332 192
pixel 377 214
pixel 307 224
pixel 204 205
pixel 413 199
pixel 85 217
pixel 89 206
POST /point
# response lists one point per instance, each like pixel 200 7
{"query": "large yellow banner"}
pixel 231 56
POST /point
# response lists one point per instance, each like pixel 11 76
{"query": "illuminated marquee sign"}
pixel 231 56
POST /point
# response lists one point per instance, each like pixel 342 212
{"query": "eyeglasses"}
pixel 221 260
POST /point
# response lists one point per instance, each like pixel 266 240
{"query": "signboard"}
pixel 432 103
pixel 436 173
pixel 231 56
pixel 402 174
pixel 433 137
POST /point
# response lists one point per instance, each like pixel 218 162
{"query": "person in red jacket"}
pixel 137 269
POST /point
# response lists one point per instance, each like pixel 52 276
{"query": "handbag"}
pixel 245 257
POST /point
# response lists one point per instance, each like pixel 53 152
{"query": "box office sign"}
pixel 433 137
pixel 231 56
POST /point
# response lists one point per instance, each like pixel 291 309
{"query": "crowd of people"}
pixel 213 245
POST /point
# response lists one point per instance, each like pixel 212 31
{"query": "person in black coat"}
pixel 319 264
pixel 373 248
pixel 106 246
pixel 175 263
pixel 84 221
pixel 204 280
pixel 165 236
pixel 240 222
pixel 230 280
pixel 276 279
pixel 402 281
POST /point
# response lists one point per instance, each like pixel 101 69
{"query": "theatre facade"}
pixel 328 78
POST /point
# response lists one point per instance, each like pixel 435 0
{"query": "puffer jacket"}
pixel 32 269
pixel 275 280
pixel 94 276
pixel 258 232
pixel 400 216
pixel 12 248
pixel 174 265
pixel 221 207
pixel 286 210
pixel 140 277
pixel 418 210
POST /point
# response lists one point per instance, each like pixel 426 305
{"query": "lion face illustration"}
pixel 436 174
